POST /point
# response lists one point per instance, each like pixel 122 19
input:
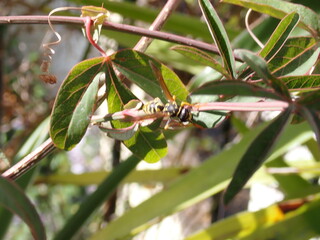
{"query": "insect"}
pixel 153 106
pixel 182 112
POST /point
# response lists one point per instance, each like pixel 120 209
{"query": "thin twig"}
pixel 113 26
pixel 30 160
pixel 158 23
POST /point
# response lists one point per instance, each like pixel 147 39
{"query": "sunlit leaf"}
pixel 201 57
pixel 301 82
pixel 276 40
pixel 136 67
pixel 256 154
pixel 296 225
pixel 279 36
pixel 195 185
pixel 278 9
pixel 145 143
pixel 219 35
pixel 239 225
pixel 74 103
pixel 296 57
pixel 14 199
pixel 232 88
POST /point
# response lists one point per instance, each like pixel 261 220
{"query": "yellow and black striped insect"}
pixel 182 112
pixel 153 106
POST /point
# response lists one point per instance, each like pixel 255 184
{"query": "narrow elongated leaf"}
pixel 266 224
pixel 278 9
pixel 136 67
pixel 145 143
pixel 276 41
pixel 279 36
pixel 299 224
pixel 232 88
pixel 219 35
pixel 296 57
pixel 201 57
pixel 256 154
pixel 74 103
pixel 238 225
pixel 195 185
pixel 96 199
pixel 260 66
pixel 39 135
pixel 14 199
pixel 303 82
pixel 153 176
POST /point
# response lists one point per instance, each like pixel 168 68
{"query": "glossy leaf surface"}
pixel 14 199
pixel 279 36
pixel 219 35
pixel 145 143
pixel 232 88
pixel 136 67
pixel 303 82
pixel 296 57
pixel 74 103
pixel 201 57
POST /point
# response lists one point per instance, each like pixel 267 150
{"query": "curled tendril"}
pixel 254 37
pixel 98 16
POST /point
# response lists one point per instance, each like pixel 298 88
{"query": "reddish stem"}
pixel 88 25
pixel 249 106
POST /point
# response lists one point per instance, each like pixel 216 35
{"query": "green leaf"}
pixel 296 57
pixel 208 119
pixel 266 224
pixel 239 225
pixel 14 199
pixel 195 185
pixel 219 35
pixel 145 144
pixel 297 225
pixel 201 57
pixel 279 36
pixel 231 88
pixel 303 82
pixel 279 9
pixel 96 199
pixel 256 154
pixel 163 176
pixel 260 66
pixel 136 67
pixel 39 135
pixel 74 103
